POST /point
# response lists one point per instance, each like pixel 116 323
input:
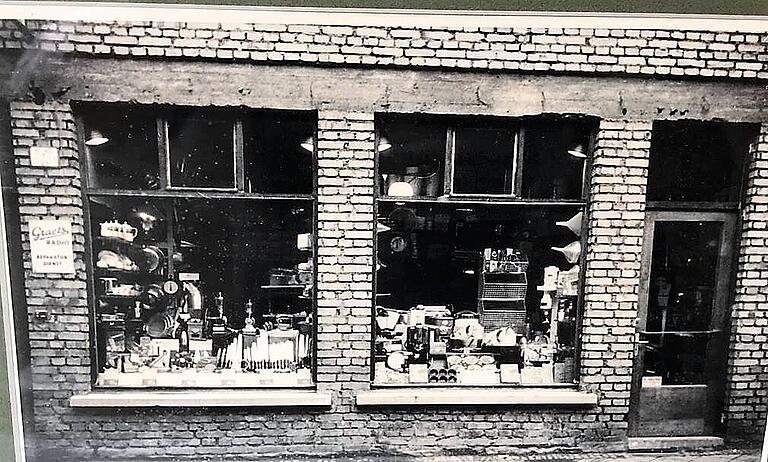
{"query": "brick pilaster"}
pixel 59 347
pixel 616 216
pixel 345 250
pixel 747 383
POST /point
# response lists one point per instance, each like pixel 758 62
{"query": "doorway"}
pixel 682 336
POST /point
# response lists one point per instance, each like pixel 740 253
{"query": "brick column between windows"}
pixel 59 347
pixel 345 251
pixel 616 215
pixel 747 378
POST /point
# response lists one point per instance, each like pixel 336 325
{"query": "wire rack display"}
pixel 502 287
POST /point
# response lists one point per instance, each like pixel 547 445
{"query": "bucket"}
pixel 430 185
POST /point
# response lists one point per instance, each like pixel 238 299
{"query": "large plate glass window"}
pixel 198 282
pixel 475 285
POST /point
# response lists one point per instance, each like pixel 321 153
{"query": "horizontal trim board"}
pixel 475 397
pixel 418 18
pixel 201 398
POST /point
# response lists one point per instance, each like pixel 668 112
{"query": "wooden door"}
pixel 681 341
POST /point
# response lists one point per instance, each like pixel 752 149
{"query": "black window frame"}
pixel 514 199
pixel 166 191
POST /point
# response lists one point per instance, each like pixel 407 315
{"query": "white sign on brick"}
pixel 43 156
pixel 50 243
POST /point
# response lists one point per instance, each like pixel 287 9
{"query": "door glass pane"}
pixel 680 300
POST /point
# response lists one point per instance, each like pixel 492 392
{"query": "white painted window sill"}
pixel 201 398
pixel 476 397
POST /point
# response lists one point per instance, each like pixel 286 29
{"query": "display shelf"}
pixel 107 272
pixel 285 287
pixel 119 298
pixel 204 379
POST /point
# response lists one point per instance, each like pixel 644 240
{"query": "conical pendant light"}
pixel 571 252
pixel 96 138
pixel 574 224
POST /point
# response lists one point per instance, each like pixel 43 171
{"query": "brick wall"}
pixel 61 363
pixel 747 384
pixel 345 251
pixel 60 354
pixel 616 214
pixel 631 51
pixel 59 348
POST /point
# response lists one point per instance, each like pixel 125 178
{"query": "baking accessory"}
pixel 573 224
pixel 430 184
pixel 149 258
pixel 160 324
pixel 571 252
pixel 401 189
pixel 108 284
pixel 402 219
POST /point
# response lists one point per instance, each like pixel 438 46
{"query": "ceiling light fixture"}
pixel 96 138
pixel 578 150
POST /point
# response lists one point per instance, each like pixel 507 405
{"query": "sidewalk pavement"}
pixel 722 455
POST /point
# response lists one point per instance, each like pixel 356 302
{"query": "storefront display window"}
pixel 474 290
pixel 204 289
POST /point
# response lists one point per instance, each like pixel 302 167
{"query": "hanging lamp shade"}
pixel 384 144
pixel 96 138
pixel 578 150
pixel 308 144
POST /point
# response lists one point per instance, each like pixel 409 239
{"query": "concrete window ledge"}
pixel 475 397
pixel 202 398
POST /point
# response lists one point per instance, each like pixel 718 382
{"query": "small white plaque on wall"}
pixel 50 244
pixel 43 156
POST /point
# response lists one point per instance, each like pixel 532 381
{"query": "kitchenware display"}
pixel 108 284
pixel 398 244
pixel 282 276
pixel 149 258
pixel 108 259
pixel 402 219
pixel 400 189
pixel 413 179
pixel 571 252
pixel 505 336
pixel 125 290
pixel 116 230
pixel 416 343
pixel 468 330
pixel 568 282
pixel 153 294
pixel 539 350
pixel 396 361
pixel 171 287
pixel 430 184
pixel 573 224
pixel 160 325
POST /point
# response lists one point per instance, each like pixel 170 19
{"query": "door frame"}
pixel 720 313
